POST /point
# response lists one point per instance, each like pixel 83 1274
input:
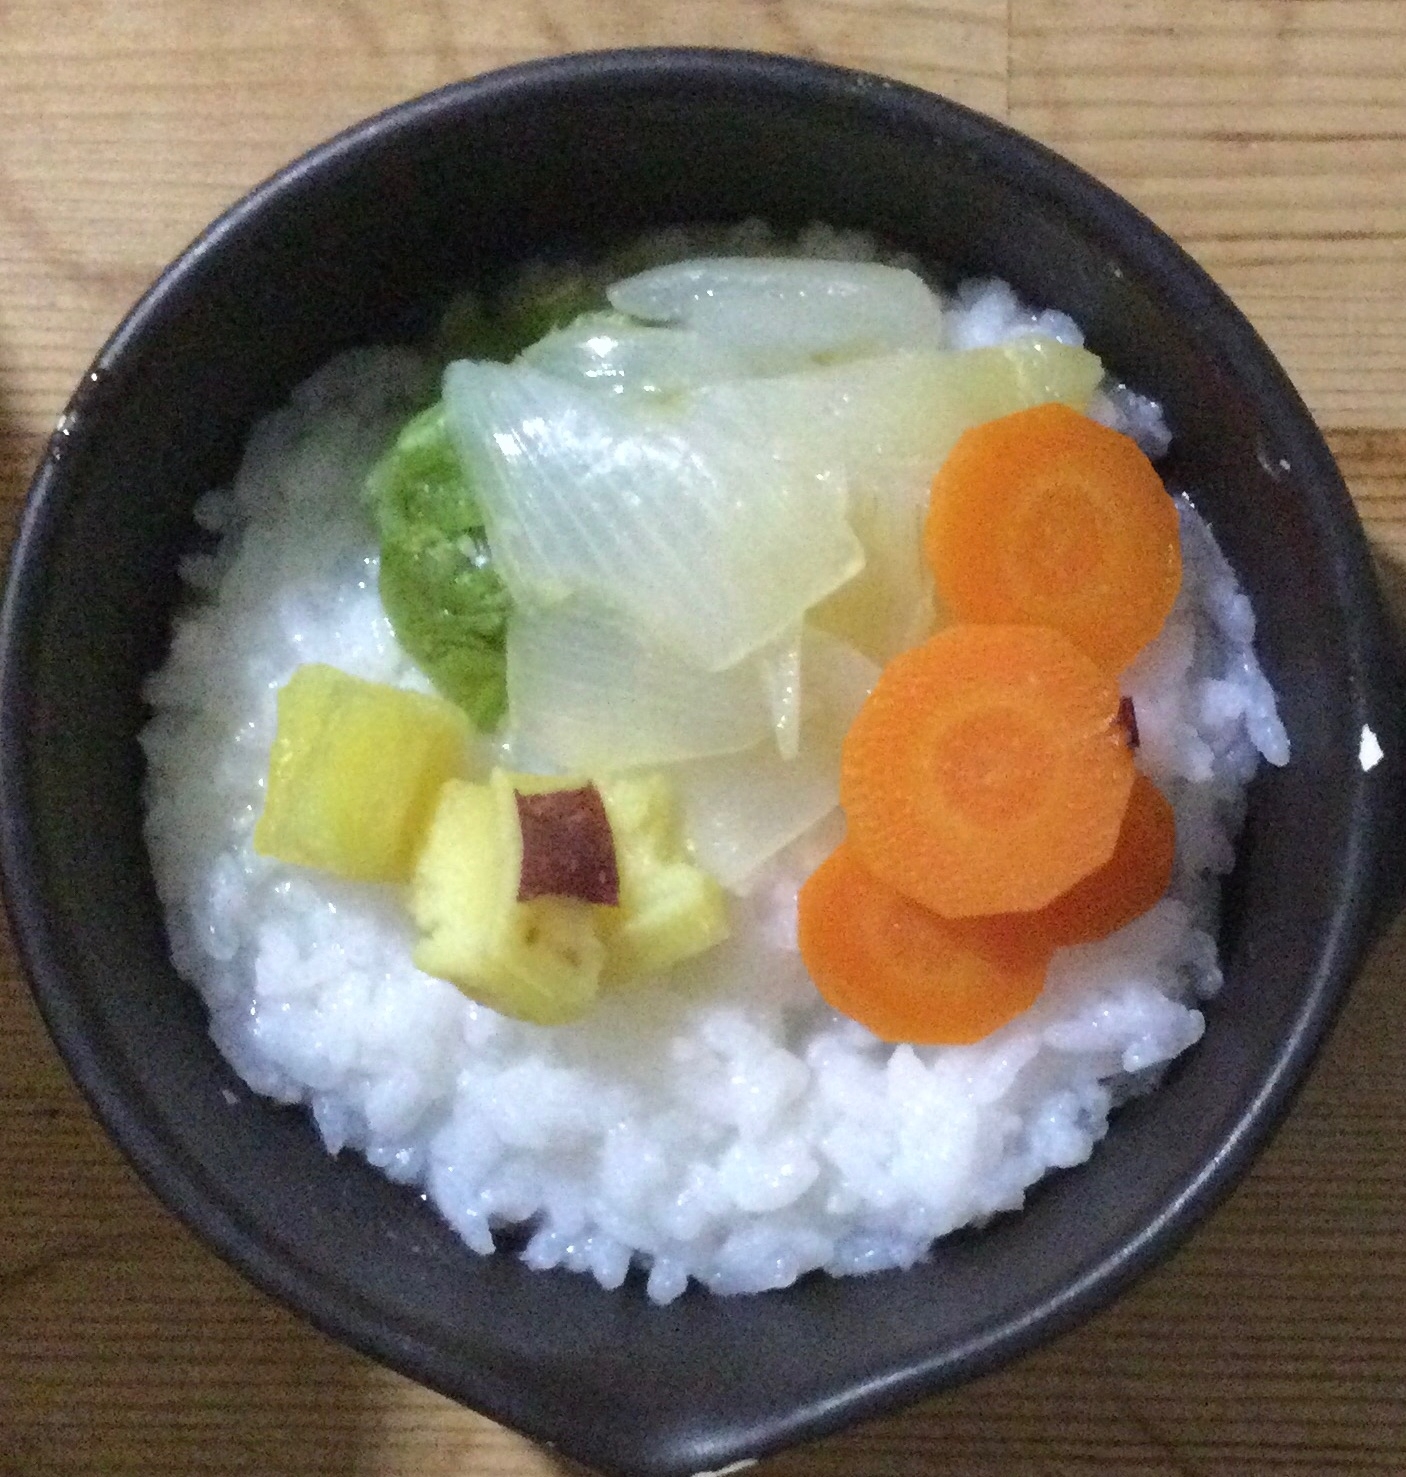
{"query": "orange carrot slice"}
pixel 1130 882
pixel 900 969
pixel 1048 518
pixel 987 772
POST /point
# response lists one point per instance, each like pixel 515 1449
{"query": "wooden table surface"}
pixel 1269 136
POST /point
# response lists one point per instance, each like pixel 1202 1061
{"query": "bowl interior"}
pixel 360 245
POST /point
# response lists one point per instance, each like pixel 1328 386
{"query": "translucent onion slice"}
pixel 886 425
pixel 610 352
pixel 780 670
pixel 739 812
pixel 781 313
pixel 585 693
pixel 704 529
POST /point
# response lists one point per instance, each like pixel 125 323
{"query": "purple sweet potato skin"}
pixel 568 849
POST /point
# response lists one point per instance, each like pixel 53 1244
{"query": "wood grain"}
pixel 1270 140
pixel 1269 136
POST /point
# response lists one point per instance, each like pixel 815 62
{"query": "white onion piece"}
pixel 606 351
pixel 884 426
pixel 781 684
pixel 741 811
pixel 587 694
pixel 781 313
pixel 897 412
pixel 700 528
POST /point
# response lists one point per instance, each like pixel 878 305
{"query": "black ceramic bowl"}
pixel 360 242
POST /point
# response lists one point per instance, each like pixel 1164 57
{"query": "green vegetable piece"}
pixel 467 330
pixel 546 299
pixel 446 602
pixel 543 299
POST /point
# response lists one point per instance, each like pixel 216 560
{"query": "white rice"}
pixel 728 1126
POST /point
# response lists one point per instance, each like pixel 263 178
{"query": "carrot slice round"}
pixel 1130 882
pixel 903 971
pixel 1048 518
pixel 987 772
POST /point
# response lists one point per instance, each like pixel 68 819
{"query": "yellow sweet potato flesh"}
pixel 354 773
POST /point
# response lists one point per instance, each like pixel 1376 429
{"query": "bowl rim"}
pixel 184 1186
